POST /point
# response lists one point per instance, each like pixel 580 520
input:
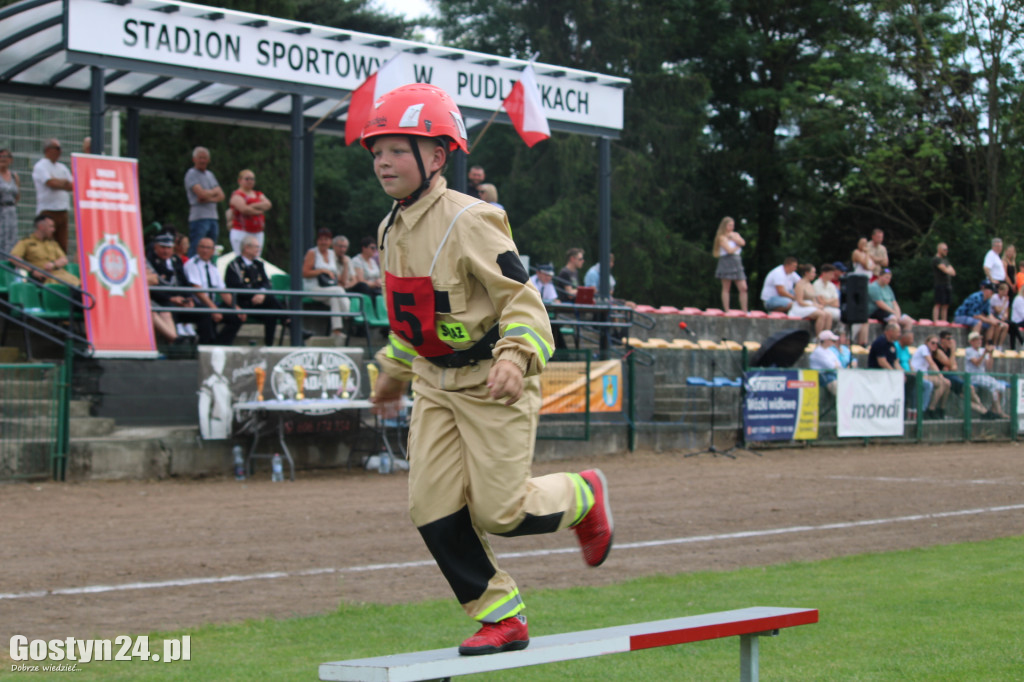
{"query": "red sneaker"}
pixel 506 635
pixel 596 529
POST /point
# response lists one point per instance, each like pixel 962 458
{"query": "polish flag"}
pixel 524 108
pixel 385 79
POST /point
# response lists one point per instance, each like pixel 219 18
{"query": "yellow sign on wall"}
pixel 564 387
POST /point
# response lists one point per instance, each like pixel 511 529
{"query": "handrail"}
pixel 59 334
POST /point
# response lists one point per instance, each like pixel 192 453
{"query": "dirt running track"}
pixel 329 533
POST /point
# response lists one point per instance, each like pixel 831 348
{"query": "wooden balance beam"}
pixel 441 664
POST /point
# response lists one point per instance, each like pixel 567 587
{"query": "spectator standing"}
pixel 10 193
pixel 978 361
pixel 943 274
pixel 476 177
pixel 1010 266
pixel 826 293
pixel 54 184
pixel 249 207
pixel 247 272
pixel 471 438
pixel 366 268
pixel 924 362
pixel 489 193
pixel 863 264
pixel 319 276
pixel 777 292
pixel 542 279
pixel 42 250
pixel 804 305
pixel 825 360
pixel 879 254
pixel 882 354
pixel 203 192
pixel 568 280
pixel 727 247
pixel 993 264
pixel 975 313
pixel 1016 320
pixel 202 273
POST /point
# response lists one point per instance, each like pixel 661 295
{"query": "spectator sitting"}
pixel 170 272
pixel 940 385
pixel 593 279
pixel 568 281
pixel 974 312
pixel 978 360
pixel 42 250
pixel 842 351
pixel 163 322
pixel 826 293
pixel 777 292
pixel 247 272
pixel 882 354
pixel 489 193
pixel 904 347
pixel 945 357
pixel 346 276
pixel 366 269
pixel 993 264
pixel 884 305
pixel 863 264
pixel 542 280
pixel 1016 320
pixel 181 245
pixel 804 305
pixel 824 359
pixel 319 270
pixel 202 272
pixel 999 305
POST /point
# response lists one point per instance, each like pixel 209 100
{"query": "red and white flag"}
pixel 524 108
pixel 388 77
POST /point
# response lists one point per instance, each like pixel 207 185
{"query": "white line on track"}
pixel 188 582
pixel 916 479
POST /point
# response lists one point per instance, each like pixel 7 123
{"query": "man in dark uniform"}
pixel 171 272
pixel 247 272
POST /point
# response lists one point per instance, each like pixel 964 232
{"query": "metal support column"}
pixel 749 670
pixel 97 107
pixel 297 219
pixel 604 221
pixel 459 169
pixel 308 210
pixel 132 133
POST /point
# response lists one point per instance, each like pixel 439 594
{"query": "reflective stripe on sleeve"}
pixel 399 351
pixel 542 347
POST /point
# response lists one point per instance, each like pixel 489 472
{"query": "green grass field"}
pixel 944 613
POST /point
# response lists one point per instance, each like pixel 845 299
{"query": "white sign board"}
pixel 174 39
pixel 869 402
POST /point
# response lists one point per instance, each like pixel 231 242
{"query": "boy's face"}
pixel 395 165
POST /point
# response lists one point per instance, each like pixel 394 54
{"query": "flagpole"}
pixel 488 125
pixel 333 109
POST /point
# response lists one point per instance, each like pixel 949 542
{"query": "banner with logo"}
pixel 111 256
pixel 869 403
pixel 781 404
pixel 564 386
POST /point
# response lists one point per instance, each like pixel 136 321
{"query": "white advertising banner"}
pixel 336 59
pixel 869 402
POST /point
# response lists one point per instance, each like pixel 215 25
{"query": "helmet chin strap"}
pixel 412 198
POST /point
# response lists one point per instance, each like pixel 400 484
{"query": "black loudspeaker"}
pixel 853 299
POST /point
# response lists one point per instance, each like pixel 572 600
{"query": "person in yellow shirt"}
pixel 473 335
pixel 42 250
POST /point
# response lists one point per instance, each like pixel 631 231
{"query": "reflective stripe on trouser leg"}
pixel 467 450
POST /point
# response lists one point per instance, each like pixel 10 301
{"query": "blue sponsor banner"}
pixel 780 404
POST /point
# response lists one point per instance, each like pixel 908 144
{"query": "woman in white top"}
pixel 922 361
pixel 318 276
pixel 366 268
pixel 1016 320
pixel 726 248
pixel 804 305
pixel 978 361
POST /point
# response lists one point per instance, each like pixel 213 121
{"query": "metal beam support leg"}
pixel 97 107
pixel 299 239
pixel 604 221
pixel 749 671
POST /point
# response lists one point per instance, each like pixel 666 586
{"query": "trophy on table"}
pixel 344 371
pixel 299 372
pixel 323 381
pixel 261 377
pixel 371 369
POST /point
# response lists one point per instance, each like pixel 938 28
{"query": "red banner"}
pixel 111 256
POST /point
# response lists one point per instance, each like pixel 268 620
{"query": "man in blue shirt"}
pixel 975 313
pixel 882 354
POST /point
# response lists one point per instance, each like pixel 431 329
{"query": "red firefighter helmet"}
pixel 418 109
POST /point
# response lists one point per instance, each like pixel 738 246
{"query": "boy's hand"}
pixel 505 381
pixel 387 396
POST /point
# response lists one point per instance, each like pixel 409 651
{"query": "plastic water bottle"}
pixel 385 462
pixel 239 463
pixel 276 468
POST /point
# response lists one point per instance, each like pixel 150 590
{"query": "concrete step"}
pixel 37 407
pixel 90 427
